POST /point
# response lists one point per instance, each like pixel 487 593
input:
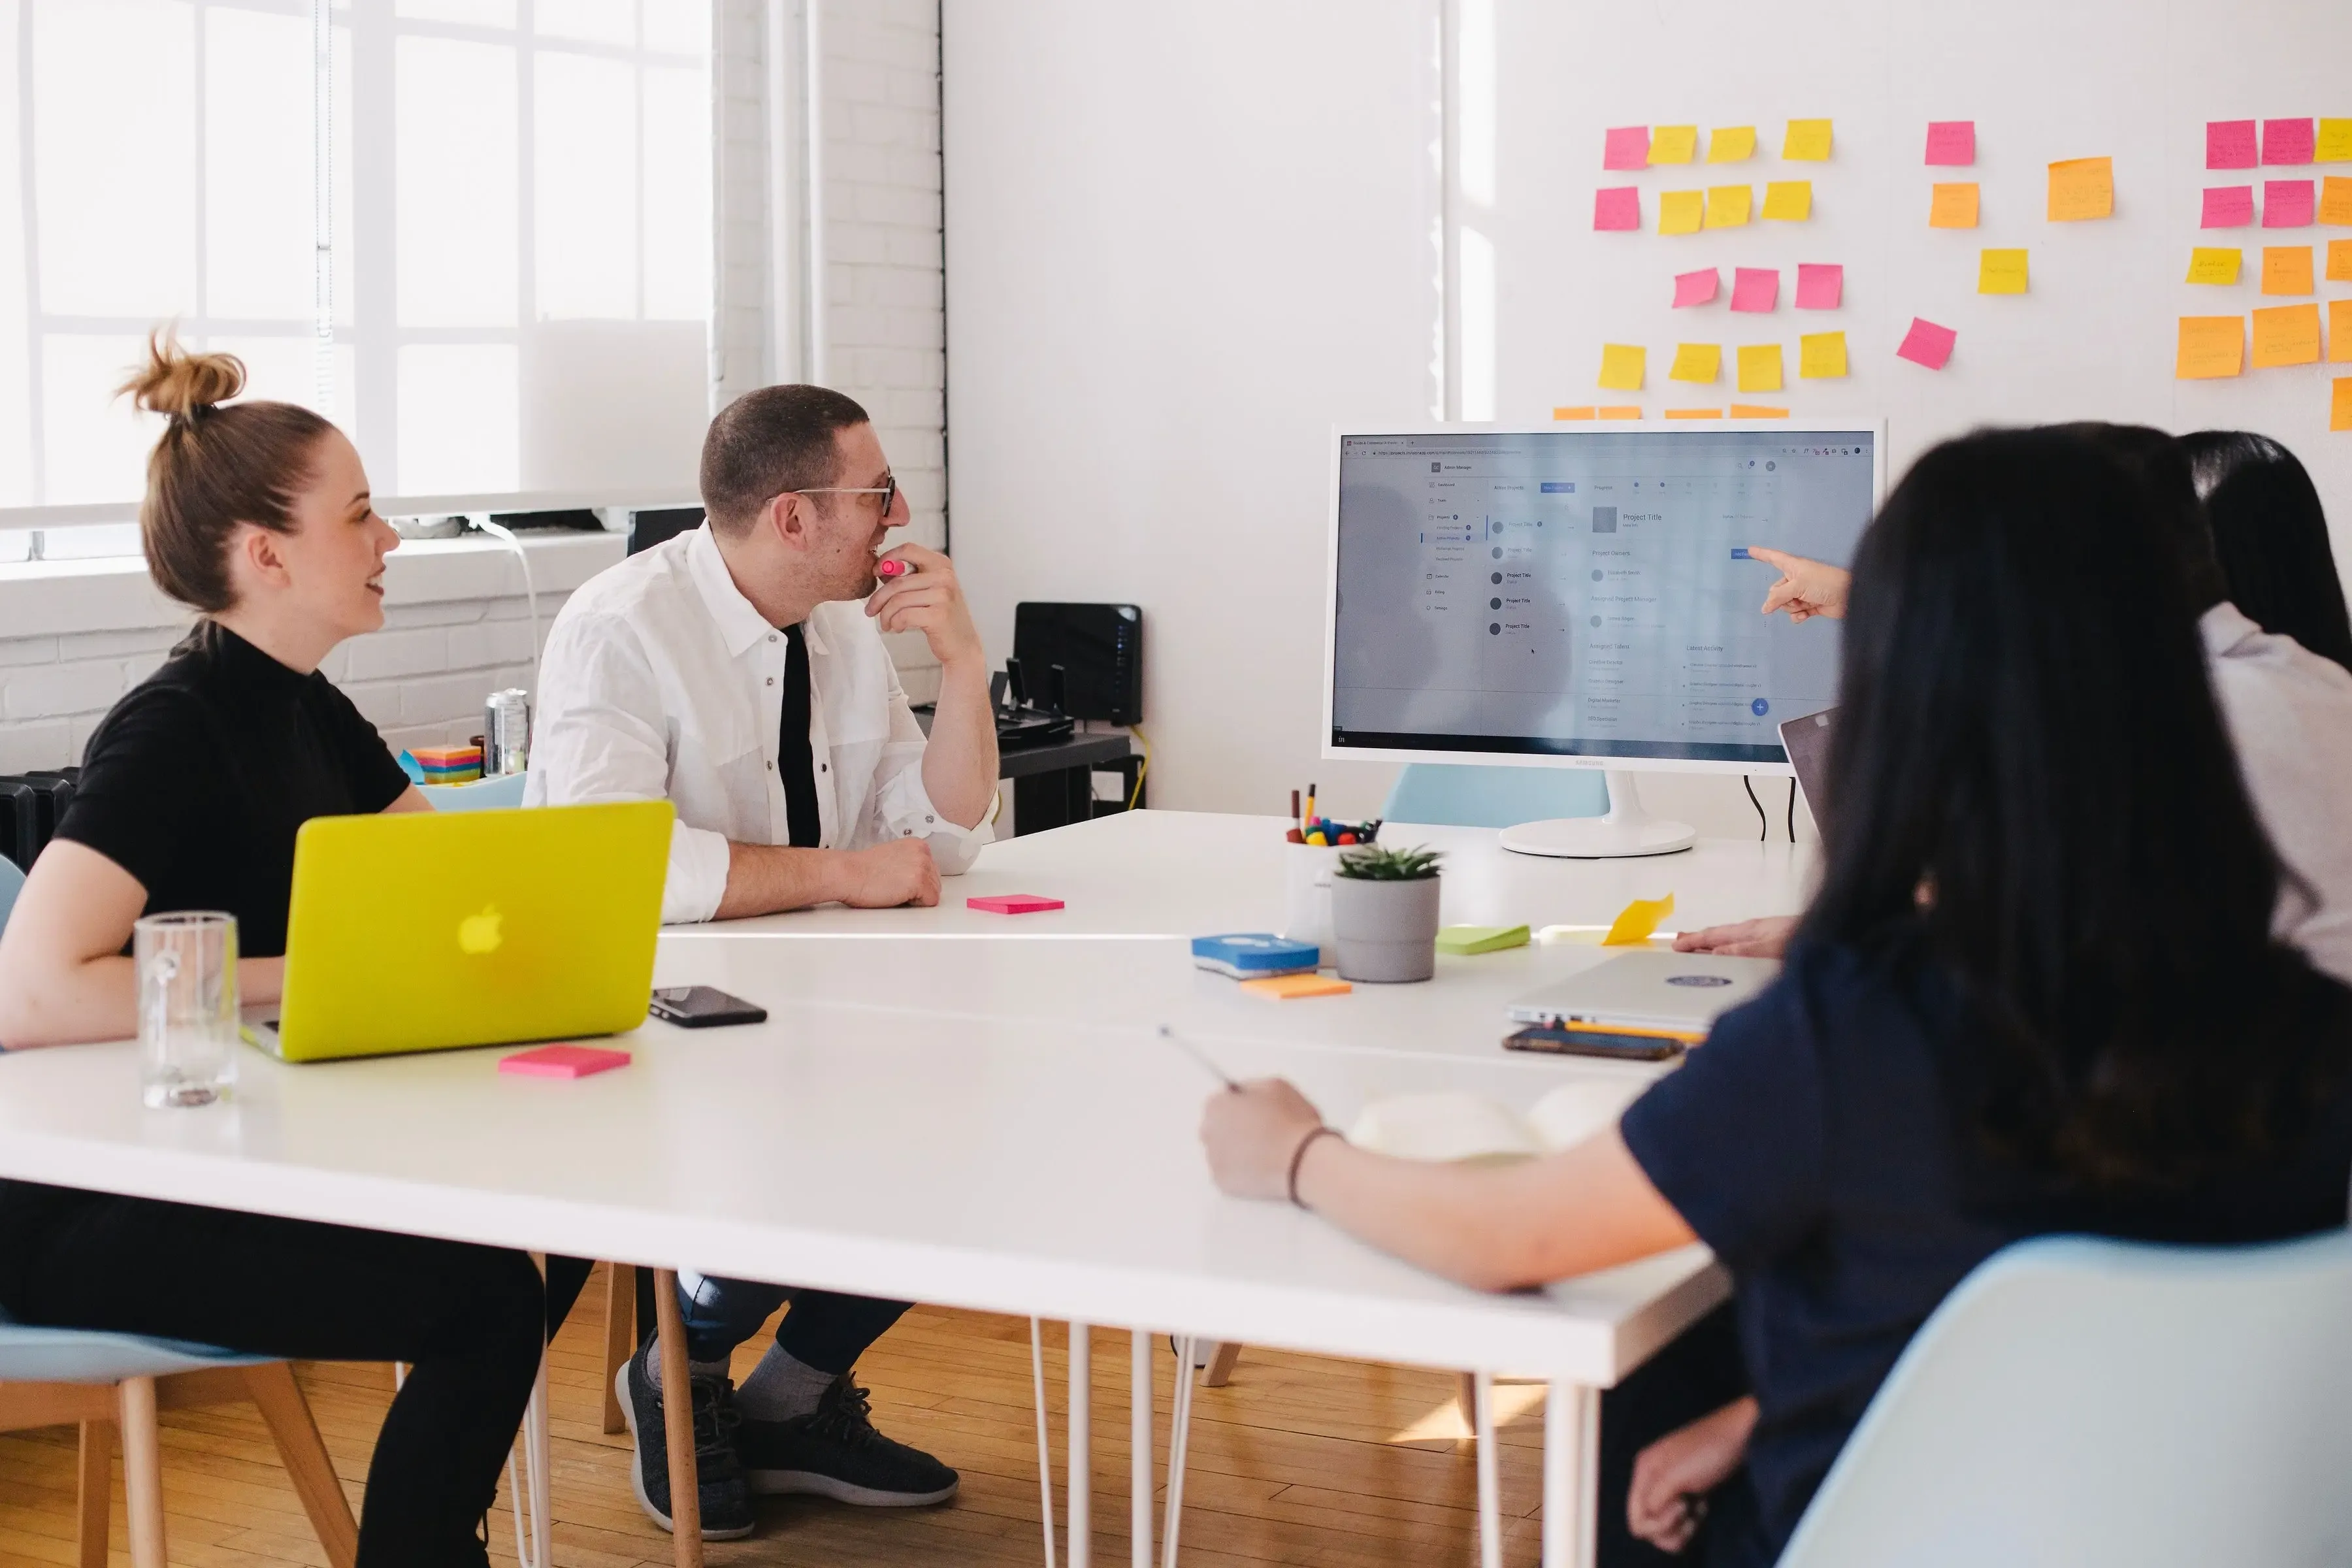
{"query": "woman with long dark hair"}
pixel 2037 992
pixel 2270 534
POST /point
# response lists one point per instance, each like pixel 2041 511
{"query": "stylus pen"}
pixel 1189 1049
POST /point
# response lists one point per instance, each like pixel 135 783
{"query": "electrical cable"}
pixel 1137 793
pixel 1792 811
pixel 498 531
pixel 1763 823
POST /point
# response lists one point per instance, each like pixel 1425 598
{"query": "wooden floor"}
pixel 1298 1460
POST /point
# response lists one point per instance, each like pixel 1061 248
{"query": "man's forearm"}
pixel 764 879
pixel 960 762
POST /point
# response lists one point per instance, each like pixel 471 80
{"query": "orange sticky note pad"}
pixel 2335 201
pixel 2340 332
pixel 2339 261
pixel 2082 188
pixel 1583 412
pixel 1757 411
pixel 2211 346
pixel 2286 269
pixel 1291 987
pixel 1621 411
pixel 1694 413
pixel 1953 205
pixel 2286 334
pixel 2340 412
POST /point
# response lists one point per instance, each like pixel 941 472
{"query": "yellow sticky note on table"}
pixel 1731 144
pixel 2339 261
pixel 1953 205
pixel 1787 201
pixel 2334 143
pixel 1760 367
pixel 1727 205
pixel 1673 143
pixel 1636 921
pixel 2001 272
pixel 1288 987
pixel 1681 212
pixel 2082 188
pixel 2286 334
pixel 1696 361
pixel 1807 142
pixel 2340 332
pixel 1623 365
pixel 2335 201
pixel 2340 412
pixel 2214 264
pixel 2286 269
pixel 1820 355
pixel 2211 346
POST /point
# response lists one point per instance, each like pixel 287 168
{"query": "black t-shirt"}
pixel 1820 1142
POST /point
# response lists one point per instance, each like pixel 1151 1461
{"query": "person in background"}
pixel 2047 899
pixel 2270 534
pixel 256 516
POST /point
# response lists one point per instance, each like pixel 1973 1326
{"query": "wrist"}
pixel 1320 1134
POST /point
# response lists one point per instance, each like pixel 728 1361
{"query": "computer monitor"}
pixel 1583 597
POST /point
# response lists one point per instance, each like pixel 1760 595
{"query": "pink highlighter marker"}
pixel 891 570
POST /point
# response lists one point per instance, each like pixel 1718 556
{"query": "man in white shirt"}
pixel 733 672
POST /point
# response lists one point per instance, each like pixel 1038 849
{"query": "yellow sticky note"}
pixel 1820 355
pixel 1585 411
pixel 1623 365
pixel 1636 921
pixel 2286 334
pixel 1760 367
pixel 1694 413
pixel 1953 205
pixel 1731 144
pixel 2082 188
pixel 1621 411
pixel 2001 272
pixel 2340 412
pixel 1696 361
pixel 2214 264
pixel 2335 201
pixel 1681 212
pixel 1727 205
pixel 1287 987
pixel 2340 332
pixel 1673 143
pixel 2211 346
pixel 2339 261
pixel 1757 411
pixel 1807 142
pixel 2286 269
pixel 2335 145
pixel 1787 201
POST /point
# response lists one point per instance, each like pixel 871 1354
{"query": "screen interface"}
pixel 1586 594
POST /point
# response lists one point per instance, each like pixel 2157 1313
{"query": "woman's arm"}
pixel 1495 1227
pixel 411 799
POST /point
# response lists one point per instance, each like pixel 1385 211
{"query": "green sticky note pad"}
pixel 1464 939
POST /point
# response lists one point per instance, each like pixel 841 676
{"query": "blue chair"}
pixel 12 882
pixel 498 794
pixel 1449 795
pixel 2098 1404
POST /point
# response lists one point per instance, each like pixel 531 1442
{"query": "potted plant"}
pixel 1384 913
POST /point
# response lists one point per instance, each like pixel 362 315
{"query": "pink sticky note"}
pixel 2287 204
pixel 1696 288
pixel 1628 148
pixel 1014 904
pixel 1756 289
pixel 2286 141
pixel 1928 343
pixel 1951 141
pixel 2230 144
pixel 1821 286
pixel 2228 207
pixel 563 1061
pixel 1617 206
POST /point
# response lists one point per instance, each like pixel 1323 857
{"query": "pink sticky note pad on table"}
pixel 1951 141
pixel 1821 286
pixel 2286 142
pixel 1014 904
pixel 1756 289
pixel 1617 207
pixel 563 1061
pixel 1627 147
pixel 1698 287
pixel 2230 144
pixel 1928 343
pixel 2228 207
pixel 2287 204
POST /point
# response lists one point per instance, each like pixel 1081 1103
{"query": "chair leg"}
pixel 1220 1364
pixel 142 1471
pixel 304 1454
pixel 620 1335
pixel 677 1418
pixel 94 1481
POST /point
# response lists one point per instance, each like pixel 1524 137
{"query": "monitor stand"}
pixel 1626 830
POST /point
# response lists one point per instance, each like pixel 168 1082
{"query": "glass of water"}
pixel 188 1008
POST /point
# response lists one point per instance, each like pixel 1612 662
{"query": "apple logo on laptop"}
pixel 478 934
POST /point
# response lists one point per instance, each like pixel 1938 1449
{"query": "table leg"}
pixel 1571 1476
pixel 1139 1438
pixel 1081 1440
pixel 677 1418
pixel 1490 1486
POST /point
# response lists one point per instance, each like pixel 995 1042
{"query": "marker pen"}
pixel 891 570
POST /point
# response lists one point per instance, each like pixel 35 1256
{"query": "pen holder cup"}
pixel 1307 871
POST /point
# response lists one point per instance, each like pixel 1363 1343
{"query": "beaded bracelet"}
pixel 1298 1157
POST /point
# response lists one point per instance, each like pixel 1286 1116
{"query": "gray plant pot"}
pixel 1384 931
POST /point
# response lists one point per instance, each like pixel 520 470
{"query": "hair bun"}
pixel 179 384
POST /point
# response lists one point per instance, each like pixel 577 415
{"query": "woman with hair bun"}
pixel 257 517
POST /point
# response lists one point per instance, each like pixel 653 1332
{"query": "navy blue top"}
pixel 1821 1143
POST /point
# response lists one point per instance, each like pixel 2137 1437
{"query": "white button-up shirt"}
pixel 662 681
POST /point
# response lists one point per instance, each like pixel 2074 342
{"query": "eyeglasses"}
pixel 887 490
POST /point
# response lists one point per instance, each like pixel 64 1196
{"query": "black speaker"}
pixel 1100 648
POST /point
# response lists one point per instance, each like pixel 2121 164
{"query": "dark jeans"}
pixel 1698 1374
pixel 824 1330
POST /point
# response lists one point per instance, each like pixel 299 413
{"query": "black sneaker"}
pixel 726 1503
pixel 834 1451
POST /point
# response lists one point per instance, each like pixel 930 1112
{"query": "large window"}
pixel 520 237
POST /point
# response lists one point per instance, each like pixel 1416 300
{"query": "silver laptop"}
pixel 1808 743
pixel 1650 991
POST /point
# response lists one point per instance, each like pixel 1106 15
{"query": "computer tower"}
pixel 1100 648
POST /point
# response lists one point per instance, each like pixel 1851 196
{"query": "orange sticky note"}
pixel 1621 411
pixel 1727 206
pixel 1757 411
pixel 2340 332
pixel 1953 205
pixel 1623 366
pixel 1820 355
pixel 2339 261
pixel 1585 411
pixel 1694 413
pixel 1760 367
pixel 1787 201
pixel 1696 361
pixel 2082 188
pixel 2211 346
pixel 2335 201
pixel 1673 143
pixel 2286 269
pixel 1681 212
pixel 2340 412
pixel 1731 144
pixel 1289 987
pixel 2286 334
pixel 1807 142
pixel 2001 272
pixel 1636 921
pixel 2214 264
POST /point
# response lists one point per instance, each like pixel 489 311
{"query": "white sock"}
pixel 718 1368
pixel 781 1387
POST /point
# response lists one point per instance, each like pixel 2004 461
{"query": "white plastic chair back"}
pixel 2085 1404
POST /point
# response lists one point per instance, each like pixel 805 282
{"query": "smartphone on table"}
pixel 703 1008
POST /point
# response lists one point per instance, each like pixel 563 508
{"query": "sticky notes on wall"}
pixel 2335 201
pixel 2286 142
pixel 2082 188
pixel 1583 411
pixel 1623 365
pixel 1756 289
pixel 1619 411
pixel 1694 413
pixel 2339 261
pixel 1626 147
pixel 1787 201
pixel 1953 206
pixel 1674 143
pixel 1820 355
pixel 1731 144
pixel 1951 143
pixel 2214 264
pixel 1757 411
pixel 1727 206
pixel 2287 204
pixel 1681 212
pixel 2286 334
pixel 1760 367
pixel 2334 143
pixel 1698 287
pixel 2228 207
pixel 1820 285
pixel 1617 207
pixel 1807 141
pixel 2230 144
pixel 2001 272
pixel 2339 408
pixel 2211 346
pixel 2286 269
pixel 2340 332
pixel 1696 361
pixel 1926 344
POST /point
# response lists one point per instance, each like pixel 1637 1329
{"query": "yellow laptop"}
pixel 423 930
